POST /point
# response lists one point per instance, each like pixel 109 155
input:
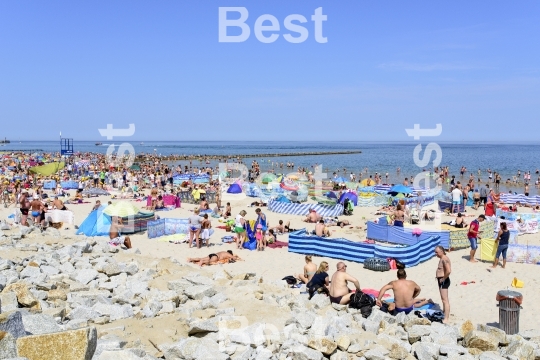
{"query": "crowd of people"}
pixel 406 292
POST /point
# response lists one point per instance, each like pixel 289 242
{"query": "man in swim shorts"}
pixel 321 230
pixel 114 233
pixel 339 291
pixel 36 207
pixel 24 207
pixel 405 292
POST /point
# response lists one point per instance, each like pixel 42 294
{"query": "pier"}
pixel 243 156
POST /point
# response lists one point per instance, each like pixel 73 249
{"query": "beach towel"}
pixel 176 238
pixel 278 244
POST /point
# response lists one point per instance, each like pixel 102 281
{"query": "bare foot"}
pixel 473 261
pixel 493 267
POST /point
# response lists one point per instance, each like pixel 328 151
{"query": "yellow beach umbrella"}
pixel 121 209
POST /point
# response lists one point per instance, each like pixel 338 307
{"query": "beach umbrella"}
pixel 267 178
pixel 339 179
pixel 121 209
pixel 399 189
pixel 367 182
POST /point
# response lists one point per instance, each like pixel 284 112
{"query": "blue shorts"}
pixel 456 202
pixel 501 250
pixel 474 243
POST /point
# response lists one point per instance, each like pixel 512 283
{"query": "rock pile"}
pixel 55 301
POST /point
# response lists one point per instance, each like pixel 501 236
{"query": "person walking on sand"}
pixel 444 268
pixel 339 291
pixel 474 230
pixel 502 241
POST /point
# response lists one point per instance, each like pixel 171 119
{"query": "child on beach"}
pixel 259 236
pixel 270 237
pixel 228 210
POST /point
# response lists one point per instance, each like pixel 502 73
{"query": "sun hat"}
pixel 259 226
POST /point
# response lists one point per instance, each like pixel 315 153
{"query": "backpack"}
pixel 363 302
pixel 317 289
pixel 291 280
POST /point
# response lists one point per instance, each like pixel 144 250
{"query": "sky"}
pixel 76 66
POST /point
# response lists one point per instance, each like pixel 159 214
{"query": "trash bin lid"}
pixel 509 294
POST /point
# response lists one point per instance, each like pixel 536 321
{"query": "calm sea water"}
pixel 377 157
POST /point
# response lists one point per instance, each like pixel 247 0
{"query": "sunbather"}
pixel 222 257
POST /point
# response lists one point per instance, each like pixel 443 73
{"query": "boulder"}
pixel 324 345
pixel 320 301
pixel 204 326
pixel 8 346
pixel 67 345
pixel 37 324
pixel 84 276
pixel 13 324
pixel 117 355
pixel 57 294
pixel 426 351
pixel 194 348
pixel 416 332
pixel 8 302
pixel 198 292
pixel 152 308
pixel 497 333
pixel 490 355
pixel 519 348
pixel 481 341
pixel 24 296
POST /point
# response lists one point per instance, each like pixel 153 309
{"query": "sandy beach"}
pixel 475 301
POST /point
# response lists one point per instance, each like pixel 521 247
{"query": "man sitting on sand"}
pixel 321 230
pixel 312 217
pixel 221 257
pixel 114 233
pixel 58 204
pixel 339 291
pixel 283 228
pixel 405 292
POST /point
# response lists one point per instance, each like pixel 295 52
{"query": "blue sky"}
pixel 75 66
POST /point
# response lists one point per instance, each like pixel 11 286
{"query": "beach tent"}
pixel 234 189
pixel 349 195
pixel 95 224
pixel 283 199
pixel 331 195
pixel 267 178
pixel 48 169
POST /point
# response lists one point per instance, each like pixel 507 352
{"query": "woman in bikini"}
pixel 309 270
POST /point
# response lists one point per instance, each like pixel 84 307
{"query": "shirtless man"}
pixel 339 292
pixel 206 225
pixel 321 230
pixel 25 206
pixel 312 217
pixel 405 292
pixel 114 233
pixel 444 268
pixel 36 207
pixel 58 204
pixel 211 259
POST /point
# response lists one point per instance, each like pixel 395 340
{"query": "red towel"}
pixel 278 244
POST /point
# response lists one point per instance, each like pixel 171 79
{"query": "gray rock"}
pixel 376 354
pixel 117 355
pixel 199 280
pixel 204 326
pixel 37 324
pixel 197 292
pixel 5 264
pixel 76 324
pixel 416 332
pixel 131 268
pixel 112 269
pixel 497 333
pixel 521 348
pixel 320 301
pixel 85 276
pixel 452 350
pixel 378 316
pixel 194 349
pixel 426 351
pixel 13 324
pixel 152 308
pixel 371 326
pixel 8 346
pixel 303 319
pixel 8 302
pixel 253 335
pixel 109 343
pixel 82 313
pixel 355 348
pixel 491 355
pixel 49 270
pixel 137 287
pixel 526 334
pixel 121 312
pixel 30 272
pixel 302 352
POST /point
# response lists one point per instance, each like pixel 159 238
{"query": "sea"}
pixel 381 157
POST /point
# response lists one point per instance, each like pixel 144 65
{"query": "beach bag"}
pixel 376 264
pixel 363 302
pixel 291 280
pixel 317 289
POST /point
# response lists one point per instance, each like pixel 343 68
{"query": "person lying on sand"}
pixel 222 257
pixel 282 229
pixel 341 223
